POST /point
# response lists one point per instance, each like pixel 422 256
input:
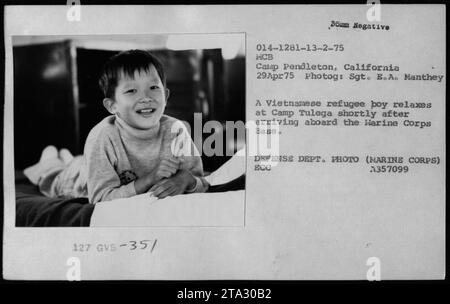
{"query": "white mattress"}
pixel 197 209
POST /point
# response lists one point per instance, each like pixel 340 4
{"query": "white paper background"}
pixel 303 221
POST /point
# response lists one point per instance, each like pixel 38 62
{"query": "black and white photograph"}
pixel 92 149
pixel 222 142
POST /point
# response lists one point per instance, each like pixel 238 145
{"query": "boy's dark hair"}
pixel 127 63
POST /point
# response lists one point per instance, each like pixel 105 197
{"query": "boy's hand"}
pixel 166 168
pixel 174 185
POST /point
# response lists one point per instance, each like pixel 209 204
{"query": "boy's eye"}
pixel 130 91
pixel 155 87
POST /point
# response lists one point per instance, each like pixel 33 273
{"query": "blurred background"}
pixel 57 100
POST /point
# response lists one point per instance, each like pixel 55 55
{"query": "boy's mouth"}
pixel 146 111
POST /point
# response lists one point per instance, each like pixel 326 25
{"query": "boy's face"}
pixel 140 101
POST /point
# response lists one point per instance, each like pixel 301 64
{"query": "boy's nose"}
pixel 145 98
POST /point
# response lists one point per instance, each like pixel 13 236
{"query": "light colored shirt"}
pixel 117 154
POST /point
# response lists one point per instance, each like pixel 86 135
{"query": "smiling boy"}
pixel 132 152
pixel 135 150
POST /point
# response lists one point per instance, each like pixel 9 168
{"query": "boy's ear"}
pixel 109 105
pixel 167 94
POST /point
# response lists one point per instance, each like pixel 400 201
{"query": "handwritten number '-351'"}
pixel 141 245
